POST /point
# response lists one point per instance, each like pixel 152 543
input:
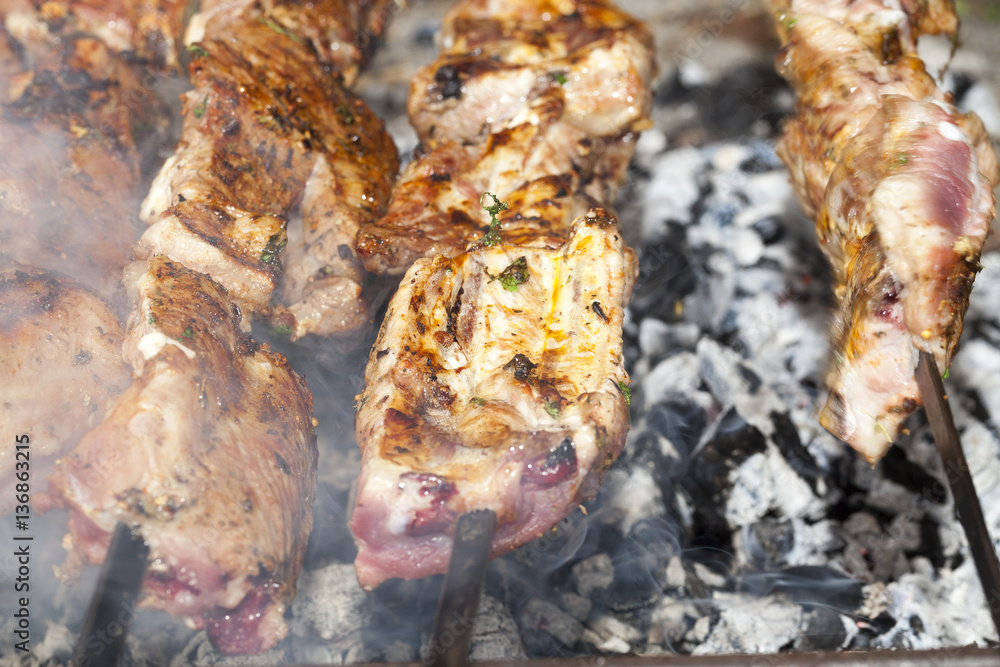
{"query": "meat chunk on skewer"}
pixel 270 133
pixel 147 30
pixel 496 383
pixel 61 364
pixel 69 165
pixel 901 184
pixel 210 453
pixel 522 94
pixel 214 457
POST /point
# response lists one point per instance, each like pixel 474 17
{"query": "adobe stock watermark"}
pixel 454 630
pixel 711 30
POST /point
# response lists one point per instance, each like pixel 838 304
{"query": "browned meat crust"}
pixel 497 380
pixel 270 132
pixel 61 365
pixel 901 184
pixel 533 110
pixel 69 167
pixel 210 453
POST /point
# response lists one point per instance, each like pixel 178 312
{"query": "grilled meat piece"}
pixel 269 131
pixel 69 166
pixel 495 383
pixel 147 30
pixel 901 184
pixel 210 454
pixel 61 365
pixel 523 91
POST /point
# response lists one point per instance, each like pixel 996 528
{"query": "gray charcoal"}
pixel 200 652
pixel 495 635
pixel 822 630
pixel 330 605
pixel 594 575
pixel 752 625
pixel 610 635
pixel 539 616
pixel 576 606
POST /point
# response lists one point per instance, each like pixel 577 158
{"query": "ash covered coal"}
pixel 732 522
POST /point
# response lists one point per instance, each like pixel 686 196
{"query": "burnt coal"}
pixel 679 420
pixel 547 630
pixel 707 483
pixel 666 276
pixel 786 437
pixel 823 630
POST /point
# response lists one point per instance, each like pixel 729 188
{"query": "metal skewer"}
pixel 113 605
pixel 463 586
pixel 970 512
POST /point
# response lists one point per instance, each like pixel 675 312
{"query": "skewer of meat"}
pixel 270 131
pixel 497 380
pixel 213 443
pixel 901 185
pixel 77 120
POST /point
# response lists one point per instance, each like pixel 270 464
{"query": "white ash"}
pixel 752 625
pixel 330 605
pixel 494 635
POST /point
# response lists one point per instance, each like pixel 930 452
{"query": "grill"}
pixel 733 524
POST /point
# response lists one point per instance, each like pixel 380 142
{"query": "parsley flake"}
pixel 200 110
pixel 626 392
pixel 514 275
pixel 492 237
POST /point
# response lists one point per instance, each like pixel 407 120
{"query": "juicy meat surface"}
pixel 496 381
pixel 209 453
pixel 524 96
pixel 901 184
pixel 270 133
pixel 480 397
pixel 61 365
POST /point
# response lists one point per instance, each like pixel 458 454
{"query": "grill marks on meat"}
pixel 543 112
pixel 212 450
pixel 270 132
pixel 901 184
pixel 478 397
pixel 210 453
pixel 61 365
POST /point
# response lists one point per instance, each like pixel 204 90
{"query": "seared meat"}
pixel 61 364
pixel 69 167
pixel 270 131
pixel 523 91
pixel 496 383
pixel 147 30
pixel 901 184
pixel 210 453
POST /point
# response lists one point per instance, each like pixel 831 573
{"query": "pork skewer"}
pixel 900 183
pixel 213 445
pixel 497 381
pixel 79 118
